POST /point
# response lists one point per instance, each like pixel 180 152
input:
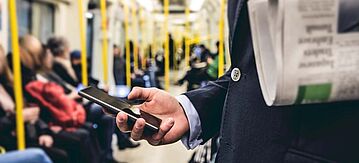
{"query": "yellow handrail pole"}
pixel 83 44
pixel 154 50
pixel 104 40
pixel 17 76
pixel 128 55
pixel 187 39
pixel 2 150
pixel 167 48
pixel 135 36
pixel 221 40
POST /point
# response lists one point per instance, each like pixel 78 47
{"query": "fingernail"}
pixel 138 127
pixel 156 142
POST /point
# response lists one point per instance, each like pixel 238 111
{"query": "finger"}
pixel 51 142
pixel 47 143
pixel 137 129
pixel 163 130
pixel 41 142
pixel 140 93
pixel 121 121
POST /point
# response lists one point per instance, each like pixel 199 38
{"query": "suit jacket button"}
pixel 236 74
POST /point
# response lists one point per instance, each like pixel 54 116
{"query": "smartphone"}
pixel 115 105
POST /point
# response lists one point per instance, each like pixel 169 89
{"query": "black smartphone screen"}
pixel 114 105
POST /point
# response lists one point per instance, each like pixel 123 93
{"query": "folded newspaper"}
pixel 306 51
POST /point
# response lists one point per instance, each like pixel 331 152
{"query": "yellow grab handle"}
pixel 2 150
pixel 104 40
pixel 128 55
pixel 17 76
pixel 221 40
pixel 83 44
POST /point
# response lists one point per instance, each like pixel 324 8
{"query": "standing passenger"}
pixel 250 130
pixel 119 66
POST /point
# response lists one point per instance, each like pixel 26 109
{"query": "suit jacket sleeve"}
pixel 209 102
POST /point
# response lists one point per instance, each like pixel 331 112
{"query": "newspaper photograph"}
pixel 306 51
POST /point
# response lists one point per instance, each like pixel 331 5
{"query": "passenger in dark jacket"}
pixel 59 47
pixel 250 131
pixel 119 66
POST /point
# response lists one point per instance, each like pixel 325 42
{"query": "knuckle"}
pixel 135 136
pixel 122 127
pixel 162 130
pixel 136 89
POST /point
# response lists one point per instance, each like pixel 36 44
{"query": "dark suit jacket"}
pixel 253 132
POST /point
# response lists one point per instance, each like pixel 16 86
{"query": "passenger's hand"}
pixel 162 105
pixel 56 129
pixel 31 114
pixel 74 95
pixel 46 140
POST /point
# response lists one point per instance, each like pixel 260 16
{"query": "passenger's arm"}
pixel 175 118
pixel 191 139
pixel 7 123
pixel 162 105
pixel 208 104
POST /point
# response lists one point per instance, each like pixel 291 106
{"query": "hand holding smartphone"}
pixel 114 105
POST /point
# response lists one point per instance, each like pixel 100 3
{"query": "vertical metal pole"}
pixel 221 40
pixel 83 44
pixel 187 38
pixel 17 76
pixel 167 49
pixel 127 40
pixel 104 40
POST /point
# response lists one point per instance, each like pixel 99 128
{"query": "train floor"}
pixel 145 153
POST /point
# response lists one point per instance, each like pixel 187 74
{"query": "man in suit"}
pixel 250 131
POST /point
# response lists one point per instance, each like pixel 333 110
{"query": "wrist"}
pixel 185 120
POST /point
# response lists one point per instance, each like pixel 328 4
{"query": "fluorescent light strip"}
pixel 196 5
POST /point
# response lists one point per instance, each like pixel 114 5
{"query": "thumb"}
pixel 141 93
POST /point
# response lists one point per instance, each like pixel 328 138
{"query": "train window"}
pixel 23 16
pixel 42 20
pixel 36 18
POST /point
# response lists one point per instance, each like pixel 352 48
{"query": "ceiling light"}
pixel 196 5
pixel 89 15
pixel 146 4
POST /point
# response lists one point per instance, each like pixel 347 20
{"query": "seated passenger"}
pixel 37 132
pixel 68 132
pixel 105 123
pixel 46 74
pixel 34 154
pixel 59 47
pixel 75 57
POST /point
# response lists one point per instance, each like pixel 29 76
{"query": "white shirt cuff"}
pixel 191 140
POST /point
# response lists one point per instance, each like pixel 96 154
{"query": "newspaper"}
pixel 306 51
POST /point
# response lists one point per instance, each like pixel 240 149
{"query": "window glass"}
pixel 35 18
pixel 42 16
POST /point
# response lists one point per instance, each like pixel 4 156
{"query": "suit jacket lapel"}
pixel 234 8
